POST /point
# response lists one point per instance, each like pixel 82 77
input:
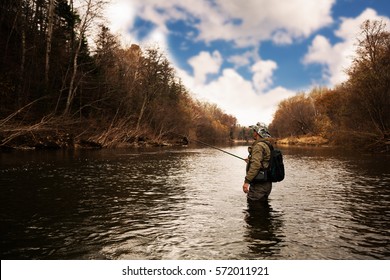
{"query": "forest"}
pixel 51 80
pixel 354 114
pixel 58 90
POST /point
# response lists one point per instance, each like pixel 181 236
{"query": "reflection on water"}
pixel 264 235
pixel 188 204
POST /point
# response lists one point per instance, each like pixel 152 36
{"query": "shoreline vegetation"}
pixel 62 134
pixel 59 92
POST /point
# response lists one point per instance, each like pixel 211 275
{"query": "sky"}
pixel 246 56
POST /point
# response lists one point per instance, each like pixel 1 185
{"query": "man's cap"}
pixel 261 129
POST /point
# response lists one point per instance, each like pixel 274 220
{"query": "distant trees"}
pixel 47 70
pixel 356 112
pixel 295 116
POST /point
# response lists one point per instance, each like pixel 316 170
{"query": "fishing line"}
pixel 211 146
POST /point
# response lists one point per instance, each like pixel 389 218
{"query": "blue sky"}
pixel 247 56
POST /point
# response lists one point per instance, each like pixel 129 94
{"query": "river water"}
pixel 187 203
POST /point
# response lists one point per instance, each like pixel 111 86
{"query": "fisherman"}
pixel 259 156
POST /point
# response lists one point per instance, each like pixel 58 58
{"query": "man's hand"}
pixel 245 187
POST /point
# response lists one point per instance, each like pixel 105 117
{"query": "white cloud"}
pixel 205 63
pixel 320 51
pixel 156 38
pixel 121 16
pixel 244 59
pixel 246 23
pixel 338 57
pixel 238 97
pixel 263 71
pixel 251 21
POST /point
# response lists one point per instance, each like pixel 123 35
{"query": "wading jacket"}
pixel 259 156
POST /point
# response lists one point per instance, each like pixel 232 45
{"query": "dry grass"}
pixel 304 141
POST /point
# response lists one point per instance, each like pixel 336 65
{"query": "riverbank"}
pixel 77 135
pixel 55 134
pixel 304 141
pixel 69 134
pixel 294 141
pixel 49 140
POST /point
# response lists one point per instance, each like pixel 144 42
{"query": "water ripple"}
pixel 188 204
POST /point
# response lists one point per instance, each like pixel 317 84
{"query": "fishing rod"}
pixel 211 146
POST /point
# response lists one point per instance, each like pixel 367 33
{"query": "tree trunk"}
pixel 92 10
pixel 48 42
pixel 141 113
pixel 83 27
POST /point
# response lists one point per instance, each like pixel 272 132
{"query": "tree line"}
pixel 50 77
pixel 355 113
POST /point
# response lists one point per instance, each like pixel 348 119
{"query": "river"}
pixel 187 203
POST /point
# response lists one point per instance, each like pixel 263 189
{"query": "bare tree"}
pixel 48 41
pixel 91 9
pixel 369 80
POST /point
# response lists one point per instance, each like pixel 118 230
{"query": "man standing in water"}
pixel 258 159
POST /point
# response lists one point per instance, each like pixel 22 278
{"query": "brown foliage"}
pixel 355 113
pixel 294 116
